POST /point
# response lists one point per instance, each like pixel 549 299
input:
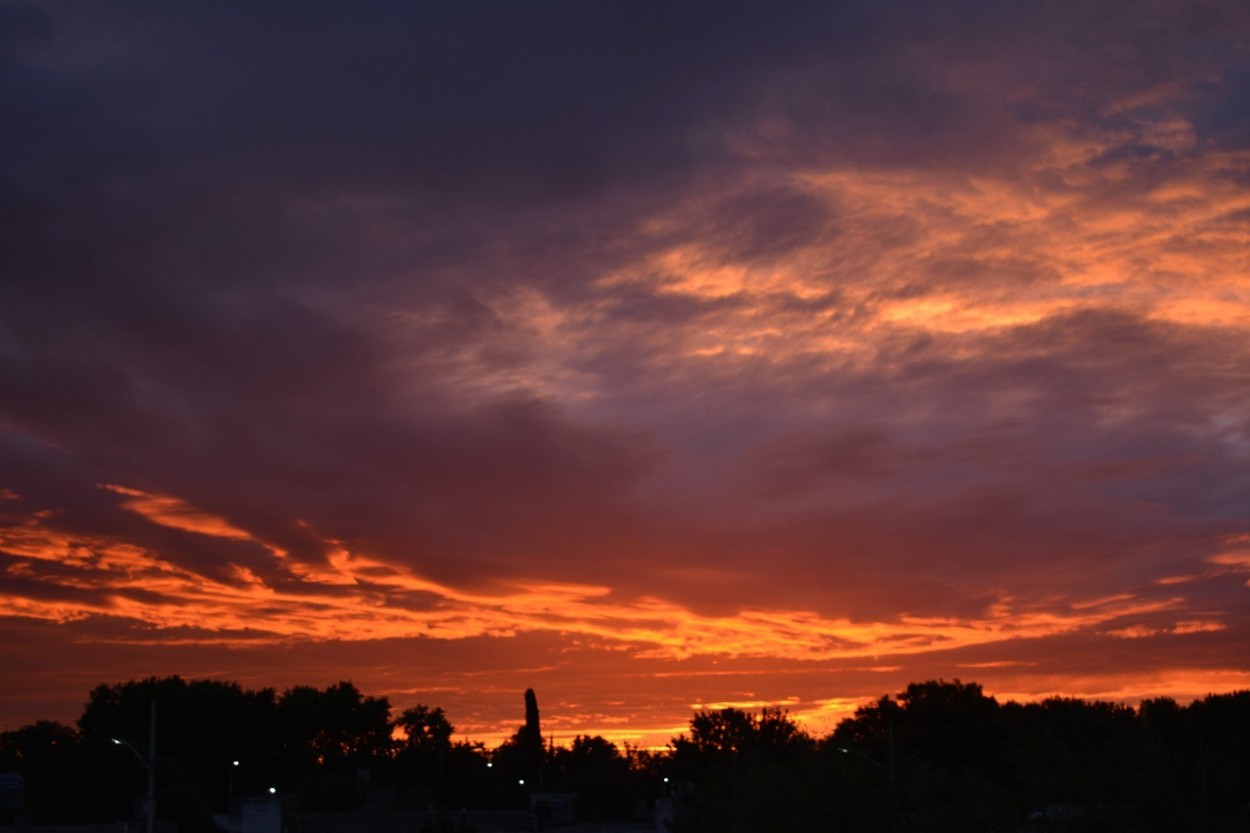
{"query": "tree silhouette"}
pixel 327 737
pixel 740 772
pixel 598 773
pixel 62 785
pixel 519 760
pixel 203 726
pixel 422 757
pixel 530 739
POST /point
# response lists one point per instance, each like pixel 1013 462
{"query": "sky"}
pixel 656 356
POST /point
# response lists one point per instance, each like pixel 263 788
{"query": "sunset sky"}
pixel 653 355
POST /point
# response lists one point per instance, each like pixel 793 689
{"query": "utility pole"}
pixel 890 729
pixel 152 766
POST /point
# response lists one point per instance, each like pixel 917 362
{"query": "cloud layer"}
pixel 650 356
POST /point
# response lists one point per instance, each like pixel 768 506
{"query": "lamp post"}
pixel 149 764
pixel 888 770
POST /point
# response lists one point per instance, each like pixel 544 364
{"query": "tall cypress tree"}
pixel 532 742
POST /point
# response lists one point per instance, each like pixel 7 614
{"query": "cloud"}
pixel 172 512
pixel 356 597
pixel 665 336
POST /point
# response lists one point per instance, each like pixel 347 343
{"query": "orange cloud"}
pixel 1181 683
pixel 365 598
pixel 933 251
pixel 176 514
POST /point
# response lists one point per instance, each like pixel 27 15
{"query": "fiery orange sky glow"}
pixel 657 359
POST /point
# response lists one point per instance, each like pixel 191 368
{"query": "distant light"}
pixel 489 764
pixel 116 741
pixel 234 763
pixel 521 781
pixel 273 790
pixel 666 779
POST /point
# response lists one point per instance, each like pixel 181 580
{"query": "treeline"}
pixel 942 756
pixel 939 756
pixel 325 750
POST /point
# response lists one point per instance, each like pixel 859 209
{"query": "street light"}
pixel 149 763
pixel 888 770
pixel 149 809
